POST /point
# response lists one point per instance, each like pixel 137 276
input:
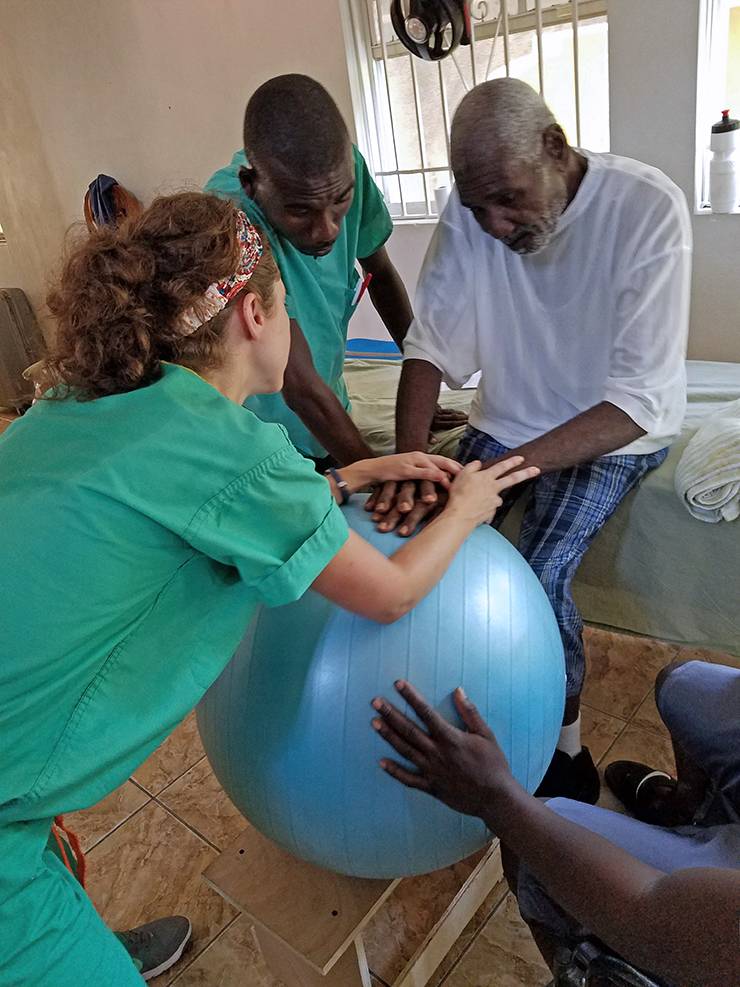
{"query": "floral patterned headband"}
pixel 220 293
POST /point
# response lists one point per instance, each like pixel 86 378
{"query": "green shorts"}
pixel 50 933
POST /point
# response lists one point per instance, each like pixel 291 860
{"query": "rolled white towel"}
pixel 708 474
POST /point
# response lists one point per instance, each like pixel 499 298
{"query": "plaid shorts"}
pixel 564 511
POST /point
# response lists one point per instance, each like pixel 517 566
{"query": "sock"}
pixel 570 738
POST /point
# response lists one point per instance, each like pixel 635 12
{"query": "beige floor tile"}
pixel 621 669
pixel 470 932
pixel 599 731
pixel 404 921
pixel 91 825
pixel 151 866
pixel 233 960
pixel 644 739
pixel 180 751
pixel 198 799
pixel 503 955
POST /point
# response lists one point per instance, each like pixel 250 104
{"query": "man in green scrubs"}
pixel 301 180
pixel 158 506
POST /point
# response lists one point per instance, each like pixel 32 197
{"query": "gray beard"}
pixel 531 238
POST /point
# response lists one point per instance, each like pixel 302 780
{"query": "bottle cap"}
pixel 725 124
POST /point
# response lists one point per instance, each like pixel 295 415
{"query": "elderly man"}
pixel 563 276
pixel 300 178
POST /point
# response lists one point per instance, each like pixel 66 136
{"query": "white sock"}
pixel 570 738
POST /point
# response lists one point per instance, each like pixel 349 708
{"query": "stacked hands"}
pixel 466 768
pixel 409 493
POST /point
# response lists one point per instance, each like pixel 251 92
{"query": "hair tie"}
pixel 219 294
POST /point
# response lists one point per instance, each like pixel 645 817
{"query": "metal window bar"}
pixel 540 57
pixel 419 130
pixel 576 77
pixel 504 9
pixel 379 52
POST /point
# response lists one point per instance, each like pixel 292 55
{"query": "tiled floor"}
pixel 149 842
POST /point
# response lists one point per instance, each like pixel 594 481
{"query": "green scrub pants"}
pixel 50 933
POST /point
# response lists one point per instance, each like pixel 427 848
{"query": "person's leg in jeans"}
pixel 699 703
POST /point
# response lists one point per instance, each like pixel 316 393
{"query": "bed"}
pixel 653 569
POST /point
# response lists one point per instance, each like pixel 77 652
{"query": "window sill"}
pixel 707 211
pixel 415 221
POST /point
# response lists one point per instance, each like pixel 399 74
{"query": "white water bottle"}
pixel 724 169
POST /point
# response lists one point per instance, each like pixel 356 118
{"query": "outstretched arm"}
pixel 317 406
pixel 593 433
pixel 388 294
pixel 364 581
pixel 680 926
pixel 391 301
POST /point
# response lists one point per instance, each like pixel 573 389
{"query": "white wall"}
pixel 150 91
pixel 652 67
pixel 652 75
pixel 153 91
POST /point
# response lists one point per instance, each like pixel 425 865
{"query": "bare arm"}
pixel 593 433
pixel 388 294
pixel 680 926
pixel 418 391
pixel 317 406
pixel 363 580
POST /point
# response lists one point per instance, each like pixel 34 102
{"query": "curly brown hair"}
pixel 122 292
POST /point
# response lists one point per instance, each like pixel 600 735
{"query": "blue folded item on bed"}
pixel 372 349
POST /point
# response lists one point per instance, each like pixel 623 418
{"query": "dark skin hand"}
pixel 680 926
pixel 392 502
pixel 593 433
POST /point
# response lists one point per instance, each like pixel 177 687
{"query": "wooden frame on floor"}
pixel 309 921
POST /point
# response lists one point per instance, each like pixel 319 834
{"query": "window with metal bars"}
pixel 404 106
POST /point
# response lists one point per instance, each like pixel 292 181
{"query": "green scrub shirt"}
pixel 320 290
pixel 139 533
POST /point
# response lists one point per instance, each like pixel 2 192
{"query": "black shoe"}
pixel 647 794
pixel 571 778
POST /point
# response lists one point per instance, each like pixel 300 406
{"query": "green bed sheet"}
pixel 653 569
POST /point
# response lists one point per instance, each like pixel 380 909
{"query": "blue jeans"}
pixel 699 703
pixel 564 512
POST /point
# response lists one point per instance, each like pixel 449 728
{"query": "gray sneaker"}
pixel 158 945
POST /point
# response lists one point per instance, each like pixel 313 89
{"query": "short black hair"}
pixel 292 121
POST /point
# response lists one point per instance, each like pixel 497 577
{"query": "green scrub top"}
pixel 139 533
pixel 320 290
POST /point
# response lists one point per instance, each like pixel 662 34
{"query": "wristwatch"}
pixel 342 485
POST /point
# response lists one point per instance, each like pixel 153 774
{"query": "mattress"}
pixel 652 569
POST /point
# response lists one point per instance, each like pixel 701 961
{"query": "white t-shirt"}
pixel 600 314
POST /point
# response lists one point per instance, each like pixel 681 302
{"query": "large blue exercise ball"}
pixel 287 725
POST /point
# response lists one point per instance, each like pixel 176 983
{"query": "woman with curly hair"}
pixel 145 514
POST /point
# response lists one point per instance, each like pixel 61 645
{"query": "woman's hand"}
pixel 411 466
pixel 465 769
pixel 476 492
